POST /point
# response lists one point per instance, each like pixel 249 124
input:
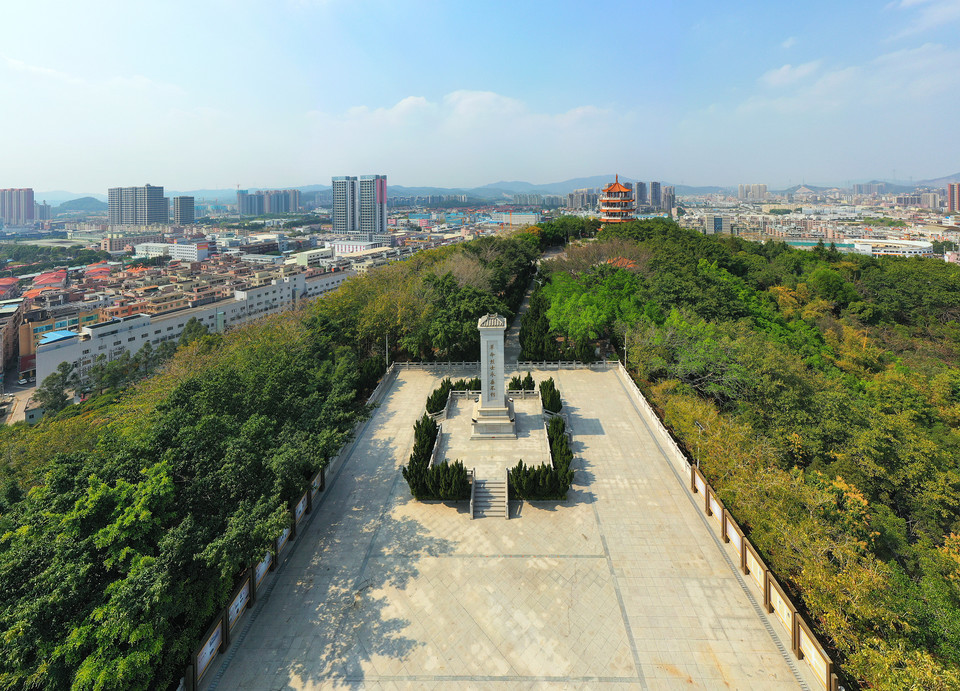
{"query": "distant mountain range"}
pixel 494 191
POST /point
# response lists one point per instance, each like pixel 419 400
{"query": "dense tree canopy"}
pixel 829 389
pixel 125 521
pixel 24 258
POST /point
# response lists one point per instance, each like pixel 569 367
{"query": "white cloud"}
pixel 788 74
pixel 471 134
pixel 789 43
pixel 929 14
pixel 841 122
pixel 20 66
pixel 104 87
pixel 892 80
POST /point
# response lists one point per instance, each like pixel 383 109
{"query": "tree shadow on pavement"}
pixel 583 477
pixel 365 558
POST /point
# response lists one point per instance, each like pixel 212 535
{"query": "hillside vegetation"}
pixel 828 386
pixel 124 524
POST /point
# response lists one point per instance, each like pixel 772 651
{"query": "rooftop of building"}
pixel 615 186
pixel 51 277
pixel 55 336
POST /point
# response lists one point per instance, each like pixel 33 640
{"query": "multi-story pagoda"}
pixel 616 203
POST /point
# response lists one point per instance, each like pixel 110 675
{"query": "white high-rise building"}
pixel 17 206
pixel 373 204
pixel 346 214
pixel 360 205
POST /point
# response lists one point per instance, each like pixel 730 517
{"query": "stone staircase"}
pixel 489 498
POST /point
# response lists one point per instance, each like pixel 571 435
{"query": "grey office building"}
pixel 655 200
pixel 137 205
pixel 669 198
pixel 641 196
pixel 183 214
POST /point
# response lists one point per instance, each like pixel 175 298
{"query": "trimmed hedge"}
pixel 546 481
pixel 550 396
pixel 447 481
pixel 525 384
pixel 437 400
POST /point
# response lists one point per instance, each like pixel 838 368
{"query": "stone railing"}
pixel 472 474
pixel 385 381
pixel 563 364
pixel 803 642
pixel 436 445
pixel 506 493
pixel 437 365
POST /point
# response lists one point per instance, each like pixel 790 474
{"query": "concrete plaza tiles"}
pixel 623 585
pixel 491 457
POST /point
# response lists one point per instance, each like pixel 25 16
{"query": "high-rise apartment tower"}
pixel 669 198
pixel 137 205
pixel 655 195
pixel 183 214
pixel 641 194
pixel 346 216
pixel 16 206
pixel 373 203
pixel 360 205
pixel 953 197
pixel 752 192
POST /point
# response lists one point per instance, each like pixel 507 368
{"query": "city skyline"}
pixel 464 95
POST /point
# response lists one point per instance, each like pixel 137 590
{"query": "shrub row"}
pixel 546 481
pixel 437 400
pixel 525 384
pixel 446 481
pixel 549 396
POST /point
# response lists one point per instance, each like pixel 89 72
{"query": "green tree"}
pixel 52 392
pixel 193 330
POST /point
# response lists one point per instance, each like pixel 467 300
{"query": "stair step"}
pixel 489 498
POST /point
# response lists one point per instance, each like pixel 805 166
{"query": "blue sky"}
pixel 212 93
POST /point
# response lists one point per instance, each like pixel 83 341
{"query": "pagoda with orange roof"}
pixel 616 203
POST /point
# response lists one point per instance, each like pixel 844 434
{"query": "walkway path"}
pixel 511 339
pixel 623 584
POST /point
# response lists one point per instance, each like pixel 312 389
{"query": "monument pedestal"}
pixel 494 423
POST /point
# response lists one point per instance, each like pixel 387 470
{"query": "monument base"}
pixel 494 423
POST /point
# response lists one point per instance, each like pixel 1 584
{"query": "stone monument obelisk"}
pixel 493 417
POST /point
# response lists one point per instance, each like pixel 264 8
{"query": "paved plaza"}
pixel 492 457
pixel 622 585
